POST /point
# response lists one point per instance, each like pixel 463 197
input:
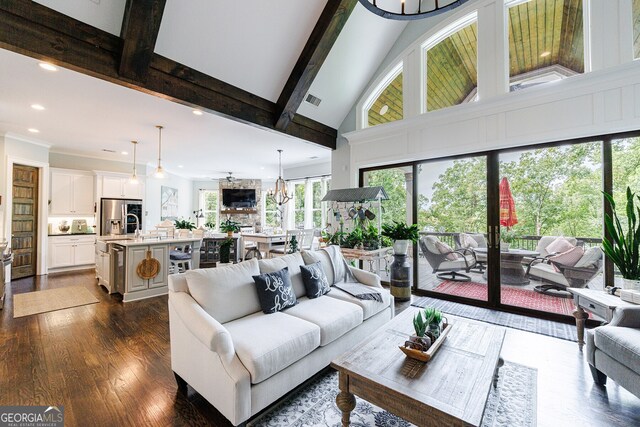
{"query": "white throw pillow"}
pixel 467 242
pixel 570 257
pixel 590 258
pixel 559 246
pixel 226 293
pixel 443 248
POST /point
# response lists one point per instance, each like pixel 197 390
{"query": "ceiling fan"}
pixel 230 178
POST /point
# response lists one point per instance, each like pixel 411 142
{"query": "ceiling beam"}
pixel 140 27
pixel 34 30
pixel 327 29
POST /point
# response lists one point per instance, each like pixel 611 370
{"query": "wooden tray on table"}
pixel 425 356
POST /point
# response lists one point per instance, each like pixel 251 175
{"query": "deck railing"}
pixel 522 242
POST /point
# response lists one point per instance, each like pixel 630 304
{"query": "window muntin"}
pixel 209 204
pixel 452 68
pixel 546 41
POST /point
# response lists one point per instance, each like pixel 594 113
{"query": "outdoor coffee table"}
pixel 512 271
pixel 451 389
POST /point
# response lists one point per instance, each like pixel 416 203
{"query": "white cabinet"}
pixel 70 251
pixel 118 187
pixel 71 192
pixel 103 269
pixel 135 255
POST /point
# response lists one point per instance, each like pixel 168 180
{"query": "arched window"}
pixel 385 103
pixel 546 41
pixel 452 65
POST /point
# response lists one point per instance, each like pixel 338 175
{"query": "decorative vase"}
pixel 229 233
pixel 400 247
pixel 504 247
pixel 423 342
pixel 400 277
pixel 631 284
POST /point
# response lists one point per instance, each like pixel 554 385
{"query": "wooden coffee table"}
pixel 452 389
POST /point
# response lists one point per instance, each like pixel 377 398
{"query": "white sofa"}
pixel 242 360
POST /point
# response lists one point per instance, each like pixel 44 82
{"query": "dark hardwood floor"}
pixel 109 364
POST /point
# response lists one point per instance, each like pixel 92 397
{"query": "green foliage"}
pixel 400 231
pixel 420 325
pixel 370 237
pixel 393 181
pixel 354 238
pixel 432 315
pixel 293 245
pixel 184 224
pixel 624 247
pixel 210 224
pixel 230 226
pixel 508 236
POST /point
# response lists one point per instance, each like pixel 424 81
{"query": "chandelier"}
pixel 279 193
pixel 405 10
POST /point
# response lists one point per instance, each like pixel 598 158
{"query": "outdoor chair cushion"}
pixel 591 258
pixel 559 246
pixel 548 272
pixel 369 307
pixel 443 248
pixel 622 344
pixel 293 261
pixel 430 242
pixel 226 293
pixel 545 241
pixel 458 264
pixel 268 343
pixel 334 317
pixel 466 241
pixel 570 257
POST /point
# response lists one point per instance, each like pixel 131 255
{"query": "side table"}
pixel 594 301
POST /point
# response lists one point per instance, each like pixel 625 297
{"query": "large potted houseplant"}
pixel 400 269
pixel 401 234
pixel 225 251
pixel 230 226
pixel 623 245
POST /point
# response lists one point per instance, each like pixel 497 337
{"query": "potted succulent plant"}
pixel 230 226
pixel 433 317
pixel 420 338
pixel 401 234
pixel 623 247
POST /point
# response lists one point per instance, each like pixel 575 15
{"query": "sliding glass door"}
pixel 550 220
pixel 452 217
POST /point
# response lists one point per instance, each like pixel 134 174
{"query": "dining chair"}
pixel 284 249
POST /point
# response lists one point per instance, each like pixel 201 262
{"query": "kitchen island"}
pixel 126 254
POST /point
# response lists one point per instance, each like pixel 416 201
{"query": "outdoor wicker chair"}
pixel 481 258
pixel 464 260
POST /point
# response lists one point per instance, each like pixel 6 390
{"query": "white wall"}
pixel 603 101
pixel 307 171
pixel 152 200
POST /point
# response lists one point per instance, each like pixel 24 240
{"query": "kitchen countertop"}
pixel 130 241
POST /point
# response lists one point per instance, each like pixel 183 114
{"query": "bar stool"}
pixel 180 260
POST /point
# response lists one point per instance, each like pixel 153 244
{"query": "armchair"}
pixel 613 350
pixel 450 262
pixel 462 242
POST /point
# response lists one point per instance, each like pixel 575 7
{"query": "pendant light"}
pixel 279 193
pixel 159 170
pixel 414 10
pixel 134 176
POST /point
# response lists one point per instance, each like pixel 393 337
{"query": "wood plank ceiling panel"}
pixel 391 96
pixel 452 69
pixel 540 26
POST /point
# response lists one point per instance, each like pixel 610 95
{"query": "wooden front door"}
pixel 24 221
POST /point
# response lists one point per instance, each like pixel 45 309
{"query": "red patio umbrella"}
pixel 508 217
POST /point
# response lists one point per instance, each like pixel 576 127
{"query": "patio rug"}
pixel 525 298
pixel 511 404
pixel 51 300
pixel 530 324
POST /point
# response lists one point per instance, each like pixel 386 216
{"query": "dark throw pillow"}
pixel 314 279
pixel 275 291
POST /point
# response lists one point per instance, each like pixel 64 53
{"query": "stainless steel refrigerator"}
pixel 117 216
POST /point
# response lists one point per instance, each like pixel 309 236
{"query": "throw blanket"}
pixel 344 279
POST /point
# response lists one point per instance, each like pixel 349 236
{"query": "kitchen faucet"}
pixel 137 232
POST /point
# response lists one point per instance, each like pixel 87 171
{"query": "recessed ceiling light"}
pixel 33 130
pixel 313 157
pixel 124 153
pixel 261 168
pixel 47 66
pixel 197 112
pixel 545 54
pixel 37 107
pixel 384 110
pixel 180 166
pixel 107 150
pixel 269 177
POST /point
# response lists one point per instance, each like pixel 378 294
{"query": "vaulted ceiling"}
pixel 251 61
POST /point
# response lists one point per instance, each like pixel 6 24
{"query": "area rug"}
pixel 560 330
pixel 525 298
pixel 51 300
pixel 511 404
